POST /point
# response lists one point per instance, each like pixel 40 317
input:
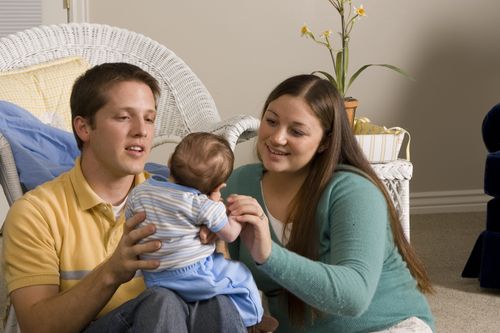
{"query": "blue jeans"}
pixel 161 310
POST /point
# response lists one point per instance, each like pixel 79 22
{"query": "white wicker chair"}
pixel 396 176
pixel 185 105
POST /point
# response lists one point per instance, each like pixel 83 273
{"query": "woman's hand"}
pixel 255 234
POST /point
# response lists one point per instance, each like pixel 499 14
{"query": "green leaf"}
pixel 329 77
pixel 394 68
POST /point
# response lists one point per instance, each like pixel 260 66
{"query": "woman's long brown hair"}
pixel 341 148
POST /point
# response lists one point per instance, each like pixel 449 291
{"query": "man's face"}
pixel 121 140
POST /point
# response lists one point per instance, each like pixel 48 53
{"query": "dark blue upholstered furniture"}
pixel 484 261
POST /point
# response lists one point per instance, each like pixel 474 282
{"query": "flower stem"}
pixel 344 42
pixel 335 4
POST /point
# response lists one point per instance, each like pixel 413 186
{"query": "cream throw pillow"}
pixel 44 89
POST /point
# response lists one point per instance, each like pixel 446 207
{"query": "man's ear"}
pixel 81 127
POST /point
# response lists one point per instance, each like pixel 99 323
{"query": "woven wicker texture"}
pixel 396 176
pixel 185 104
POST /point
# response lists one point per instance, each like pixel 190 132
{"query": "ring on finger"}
pixel 262 216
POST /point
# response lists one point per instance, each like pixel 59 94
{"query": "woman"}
pixel 321 234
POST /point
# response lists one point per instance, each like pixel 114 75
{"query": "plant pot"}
pixel 350 106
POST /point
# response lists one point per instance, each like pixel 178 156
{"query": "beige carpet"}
pixel 444 242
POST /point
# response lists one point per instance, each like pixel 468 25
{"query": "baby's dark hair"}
pixel 203 161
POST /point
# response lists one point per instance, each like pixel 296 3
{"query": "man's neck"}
pixel 109 187
pixel 113 192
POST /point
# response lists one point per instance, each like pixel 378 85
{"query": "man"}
pixel 71 259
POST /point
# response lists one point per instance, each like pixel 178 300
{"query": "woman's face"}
pixel 289 136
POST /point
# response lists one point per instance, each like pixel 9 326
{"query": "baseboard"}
pixel 448 202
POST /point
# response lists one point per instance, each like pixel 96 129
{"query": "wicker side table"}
pixel 396 176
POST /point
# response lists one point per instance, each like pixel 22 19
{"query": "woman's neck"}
pixel 279 189
pixel 284 181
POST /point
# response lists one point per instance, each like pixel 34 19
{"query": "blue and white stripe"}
pixel 178 212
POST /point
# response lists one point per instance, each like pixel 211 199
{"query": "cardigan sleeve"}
pixel 244 180
pixel 353 220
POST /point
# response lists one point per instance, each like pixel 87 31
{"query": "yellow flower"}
pixel 340 77
pixel 360 11
pixel 305 30
pixel 326 34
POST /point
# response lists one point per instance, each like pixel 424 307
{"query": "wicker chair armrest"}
pixel 394 170
pixel 9 178
pixel 236 129
pixel 396 176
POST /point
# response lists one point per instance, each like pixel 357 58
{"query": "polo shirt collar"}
pixel 84 193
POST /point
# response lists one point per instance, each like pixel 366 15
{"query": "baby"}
pixel 178 206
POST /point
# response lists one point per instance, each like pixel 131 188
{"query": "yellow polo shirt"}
pixel 59 232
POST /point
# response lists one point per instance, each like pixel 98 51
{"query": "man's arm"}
pixel 43 308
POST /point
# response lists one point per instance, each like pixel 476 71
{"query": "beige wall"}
pixel 241 49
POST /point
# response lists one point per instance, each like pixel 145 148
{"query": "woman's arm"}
pixel 353 229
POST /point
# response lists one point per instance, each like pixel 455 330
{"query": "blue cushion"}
pixel 157 169
pixel 491 129
pixel 42 152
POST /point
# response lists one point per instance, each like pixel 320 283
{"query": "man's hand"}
pixel 125 260
pixel 206 236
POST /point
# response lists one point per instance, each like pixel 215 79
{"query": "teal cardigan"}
pixel 360 283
